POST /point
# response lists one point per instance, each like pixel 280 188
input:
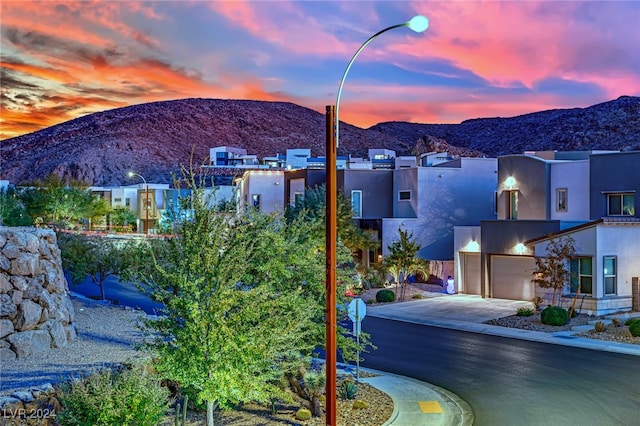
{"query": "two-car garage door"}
pixel 511 277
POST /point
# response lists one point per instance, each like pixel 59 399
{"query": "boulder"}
pixel 7 308
pixel 28 315
pixel 7 354
pixel 24 264
pixel 11 251
pixel 57 332
pixel 5 263
pixel 5 284
pixel 6 327
pixel 31 342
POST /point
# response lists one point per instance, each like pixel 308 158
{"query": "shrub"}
pixel 359 404
pixel 631 321
pixel 370 301
pixel 634 328
pixel 524 312
pixel 303 414
pixel 554 315
pixel 112 397
pixel 537 302
pixel 599 327
pixel 417 296
pixel 616 322
pixel 384 296
pixel 347 390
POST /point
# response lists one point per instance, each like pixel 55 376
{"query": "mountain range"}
pixel 155 139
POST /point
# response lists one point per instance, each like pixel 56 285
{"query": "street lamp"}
pixel 146 196
pixel 418 24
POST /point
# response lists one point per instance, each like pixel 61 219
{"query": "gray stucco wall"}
pixel 532 182
pixel 377 191
pixel 610 173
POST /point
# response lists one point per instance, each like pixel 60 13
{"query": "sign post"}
pixel 357 310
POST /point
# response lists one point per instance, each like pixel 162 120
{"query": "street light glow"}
pixel 418 23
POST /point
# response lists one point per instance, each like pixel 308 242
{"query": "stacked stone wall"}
pixel 36 313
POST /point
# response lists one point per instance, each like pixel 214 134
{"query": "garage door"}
pixel 471 273
pixel 511 277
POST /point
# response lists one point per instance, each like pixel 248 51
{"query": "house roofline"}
pixel 602 220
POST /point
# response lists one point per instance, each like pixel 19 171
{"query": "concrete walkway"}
pixel 421 403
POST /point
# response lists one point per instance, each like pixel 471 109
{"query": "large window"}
pixel 610 267
pixel 621 205
pixel 356 203
pixel 582 275
pixel 561 199
pixel 512 205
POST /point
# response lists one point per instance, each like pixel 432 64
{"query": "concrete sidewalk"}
pixel 421 403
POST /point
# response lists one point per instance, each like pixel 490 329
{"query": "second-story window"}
pixel 512 205
pixel 404 196
pixel 561 199
pixel 356 203
pixel 621 204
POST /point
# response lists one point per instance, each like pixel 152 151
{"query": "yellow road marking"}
pixel 430 406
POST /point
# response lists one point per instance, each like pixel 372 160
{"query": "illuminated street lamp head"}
pixel 418 23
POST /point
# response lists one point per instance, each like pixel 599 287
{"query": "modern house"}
pixel 430 201
pixel 544 195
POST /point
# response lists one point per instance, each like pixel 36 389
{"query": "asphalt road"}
pixel 512 382
pixel 122 293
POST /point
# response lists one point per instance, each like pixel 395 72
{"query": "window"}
pixel 495 202
pixel 561 199
pixel 581 274
pixel 621 205
pixel 117 200
pixel 297 198
pixel 255 200
pixel 404 196
pixel 512 205
pixel 356 203
pixel 127 202
pixel 609 265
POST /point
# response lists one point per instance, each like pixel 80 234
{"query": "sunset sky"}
pixel 65 59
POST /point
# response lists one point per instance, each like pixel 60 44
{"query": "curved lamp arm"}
pixel 418 24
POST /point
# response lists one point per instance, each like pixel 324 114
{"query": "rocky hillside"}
pixel 154 139
pixel 609 125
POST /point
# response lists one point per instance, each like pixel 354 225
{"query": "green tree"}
pixel 61 203
pixel 12 210
pixel 244 297
pixel 97 257
pixel 312 205
pixel 552 270
pixel 123 219
pixel 402 259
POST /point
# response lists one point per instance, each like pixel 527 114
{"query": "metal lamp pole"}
pixel 146 196
pixel 418 24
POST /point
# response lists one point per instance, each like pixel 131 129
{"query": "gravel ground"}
pixel 106 335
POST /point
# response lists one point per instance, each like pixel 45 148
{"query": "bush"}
pixel 370 301
pixel 347 390
pixel 599 327
pixel 554 315
pixel 385 296
pixel 631 321
pixel 634 328
pixel 616 322
pixel 113 397
pixel 359 404
pixel 524 312
pixel 303 414
pixel 417 296
pixel 537 302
